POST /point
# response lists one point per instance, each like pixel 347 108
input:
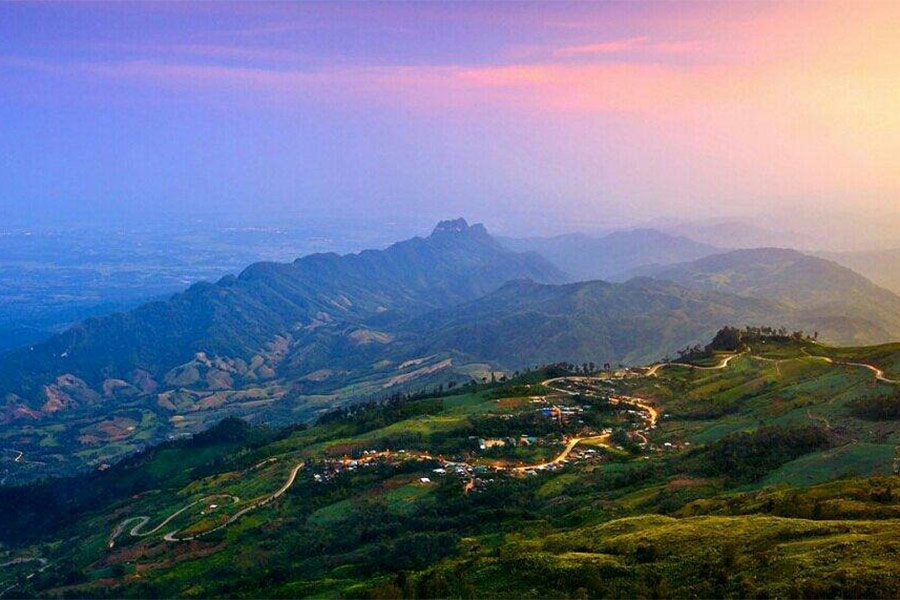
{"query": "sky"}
pixel 532 117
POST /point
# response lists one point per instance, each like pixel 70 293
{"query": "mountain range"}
pixel 819 294
pixel 880 266
pixel 608 257
pixel 283 342
pixel 271 308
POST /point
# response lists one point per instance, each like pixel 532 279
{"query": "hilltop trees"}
pixel 734 339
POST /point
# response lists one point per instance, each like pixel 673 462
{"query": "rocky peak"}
pixel 457 226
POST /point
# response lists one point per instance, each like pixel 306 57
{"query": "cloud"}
pixel 640 46
pixel 608 47
pixel 543 87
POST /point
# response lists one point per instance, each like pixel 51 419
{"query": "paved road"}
pixel 654 370
pixel 600 440
pixel 653 413
pixel 170 537
pixel 18 460
pixel 21 561
pixel 879 373
pixel 135 531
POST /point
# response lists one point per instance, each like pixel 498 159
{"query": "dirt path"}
pixel 777 362
pixel 819 418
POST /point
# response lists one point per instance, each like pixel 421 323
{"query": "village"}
pixel 575 408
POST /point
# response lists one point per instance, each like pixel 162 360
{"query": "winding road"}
pixel 21 561
pixel 600 440
pixel 143 520
pixel 18 460
pixel 654 370
pixel 172 536
pixel 879 373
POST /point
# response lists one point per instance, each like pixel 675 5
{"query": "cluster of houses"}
pixel 563 414
pixel 336 466
pixel 522 440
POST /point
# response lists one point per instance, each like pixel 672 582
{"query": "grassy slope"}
pixel 626 527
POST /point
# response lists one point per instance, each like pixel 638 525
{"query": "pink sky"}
pixel 652 108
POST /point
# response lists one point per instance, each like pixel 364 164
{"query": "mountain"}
pixel 881 266
pixel 842 305
pixel 586 257
pixel 247 325
pixel 286 343
pixel 735 234
pixel 526 323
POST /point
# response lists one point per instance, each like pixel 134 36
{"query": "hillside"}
pixel 526 323
pixel 881 266
pixel 285 343
pixel 842 305
pixel 264 312
pixel 586 257
pixel 766 474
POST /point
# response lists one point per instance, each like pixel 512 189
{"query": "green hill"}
pixel 526 323
pixel 760 478
pixel 842 305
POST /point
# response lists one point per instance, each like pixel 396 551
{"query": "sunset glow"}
pixel 643 107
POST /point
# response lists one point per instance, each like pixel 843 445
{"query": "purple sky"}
pixel 525 115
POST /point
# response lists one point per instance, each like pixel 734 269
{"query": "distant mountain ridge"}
pixel 843 305
pixel 880 266
pixel 268 307
pixel 286 342
pixel 587 257
pixel 527 323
